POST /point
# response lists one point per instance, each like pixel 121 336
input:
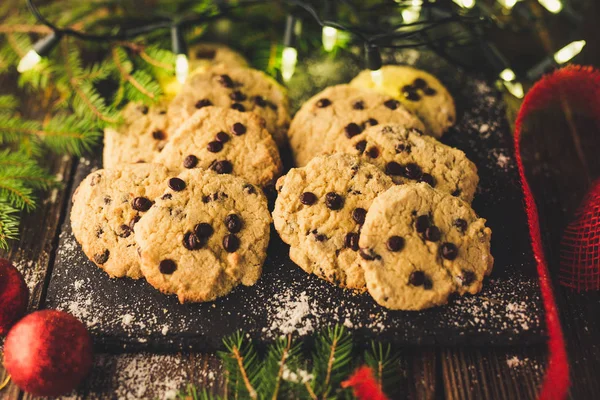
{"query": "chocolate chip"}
pixel 460 224
pixel 395 243
pixel 427 178
pixel 99 232
pixel 192 242
pixel 158 135
pixel 176 184
pixel 206 199
pixel 143 109
pixel 162 112
pixel 233 223
pixel 215 146
pixel 308 198
pixel 369 254
pixel 101 258
pixel 107 200
pixel 237 96
pixel 166 196
pixel 358 215
pixel 225 80
pixel 412 171
pixel 125 231
pixel 456 193
pixel 422 223
pixel 238 129
pixel 238 106
pixel 373 152
pixel 432 234
pixel 203 103
pixel 393 168
pixel 467 277
pixel 370 122
pixel 222 137
pixel 416 278
pixel 190 161
pixel 272 106
pixel 352 129
pixel 167 267
pixel 319 237
pixel 322 103
pixel 412 96
pixel 402 147
pixel 429 91
pixel 250 189
pixel 95 179
pixel 359 105
pixel 260 101
pixel 419 83
pixel 133 221
pixel 203 230
pixel 334 201
pixel 231 243
pixel 351 241
pixel 427 284
pixel 141 204
pixel 222 167
pixel 361 146
pixel 391 104
pixel 449 251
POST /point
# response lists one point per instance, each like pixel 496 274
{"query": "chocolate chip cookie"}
pixel 139 139
pixel 226 141
pixel 203 55
pixel 406 155
pixel 241 89
pixel 339 113
pixel 418 245
pixel 420 92
pixel 206 234
pixel 107 206
pixel 320 210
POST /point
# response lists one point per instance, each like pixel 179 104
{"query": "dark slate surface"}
pixel 131 315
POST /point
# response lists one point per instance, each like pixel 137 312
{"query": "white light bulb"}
pixel 31 59
pixel 289 57
pixel 329 37
pixel 465 3
pixel 515 88
pixel 569 51
pixel 182 67
pixel 508 4
pixel 412 12
pixel 377 77
pixel 508 75
pixel 554 6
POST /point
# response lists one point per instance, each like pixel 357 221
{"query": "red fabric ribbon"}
pixel 364 385
pixel 580 86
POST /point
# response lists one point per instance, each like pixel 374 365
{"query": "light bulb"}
pixel 31 59
pixel 377 77
pixel 412 12
pixel 554 6
pixel 508 75
pixel 289 57
pixel 515 88
pixel 569 51
pixel 329 37
pixel 508 4
pixel 182 67
pixel 465 3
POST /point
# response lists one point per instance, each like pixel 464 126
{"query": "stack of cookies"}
pixel 376 203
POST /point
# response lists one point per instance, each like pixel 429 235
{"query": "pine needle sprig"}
pixel 384 363
pixel 332 360
pixel 9 223
pixel 8 103
pixel 242 366
pixel 192 393
pixel 139 85
pixel 280 376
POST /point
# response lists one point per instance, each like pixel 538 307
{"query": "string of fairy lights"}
pixel 419 18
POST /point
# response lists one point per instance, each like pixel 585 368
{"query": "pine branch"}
pixel 9 223
pixel 332 360
pixel 384 362
pixel 137 82
pixel 280 374
pixel 191 393
pixel 242 365
pixel 8 103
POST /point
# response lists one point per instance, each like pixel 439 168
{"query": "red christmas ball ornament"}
pixel 48 353
pixel 14 296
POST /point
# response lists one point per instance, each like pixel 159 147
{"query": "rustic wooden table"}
pixel 559 174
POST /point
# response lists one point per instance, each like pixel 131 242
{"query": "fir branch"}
pixel 9 223
pixel 384 362
pixel 332 358
pixel 8 103
pixel 124 67
pixel 280 369
pixel 192 393
pixel 242 365
pixel 70 134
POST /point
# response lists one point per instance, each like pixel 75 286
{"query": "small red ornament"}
pixel 48 353
pixel 14 296
pixel 364 385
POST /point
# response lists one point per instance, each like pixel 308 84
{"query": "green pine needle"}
pixel 332 360
pixel 8 103
pixel 9 223
pixel 242 366
pixel 384 363
pixel 192 393
pixel 279 375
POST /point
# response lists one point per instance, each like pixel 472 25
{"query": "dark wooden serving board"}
pixel 131 315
